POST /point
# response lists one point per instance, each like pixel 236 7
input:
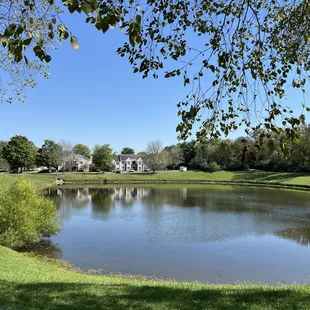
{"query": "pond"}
pixel 214 234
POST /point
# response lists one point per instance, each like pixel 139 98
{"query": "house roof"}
pixel 123 157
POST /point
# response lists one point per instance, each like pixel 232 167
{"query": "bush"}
pixel 238 167
pixel 212 167
pixel 26 216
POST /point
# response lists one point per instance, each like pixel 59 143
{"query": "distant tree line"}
pixel 251 152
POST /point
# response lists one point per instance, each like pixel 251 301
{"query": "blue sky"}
pixel 92 97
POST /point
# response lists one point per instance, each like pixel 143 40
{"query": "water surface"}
pixel 216 234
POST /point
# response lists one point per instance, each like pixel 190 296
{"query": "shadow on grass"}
pixel 71 296
pixel 263 176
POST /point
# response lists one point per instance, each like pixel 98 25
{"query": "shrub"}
pixel 26 216
pixel 238 167
pixel 212 167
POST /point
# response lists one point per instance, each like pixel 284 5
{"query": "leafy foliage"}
pixel 26 216
pixel 4 165
pixel 247 54
pixel 127 150
pixel 49 155
pixel 102 157
pixel 20 152
pixel 82 149
pixel 156 158
pixel 27 35
pixel 67 153
pixel 251 152
pixel 175 156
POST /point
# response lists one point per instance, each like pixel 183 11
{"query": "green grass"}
pixel 284 178
pixel 28 283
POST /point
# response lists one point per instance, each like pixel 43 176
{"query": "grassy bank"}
pixel 26 283
pixel 259 177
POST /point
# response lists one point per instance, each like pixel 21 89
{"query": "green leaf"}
pixel 138 19
pixel 74 43
pixel 4 39
pixel 27 41
pixel 61 27
pixel 51 35
pixel 48 58
pixel 94 4
pixel 86 8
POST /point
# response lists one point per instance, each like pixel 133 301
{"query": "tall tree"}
pixel 82 149
pixel 28 32
pixel 189 151
pixel 156 158
pixel 4 165
pixel 20 153
pixel 102 157
pixel 67 154
pixel 128 150
pixel 206 155
pixel 175 156
pixel 49 155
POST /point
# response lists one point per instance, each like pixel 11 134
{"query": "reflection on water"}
pixel 203 233
pixel 299 234
pixel 45 247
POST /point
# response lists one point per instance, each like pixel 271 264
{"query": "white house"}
pixel 127 162
pixel 76 162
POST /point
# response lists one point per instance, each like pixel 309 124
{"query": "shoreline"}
pixel 27 282
pixel 182 182
pixel 256 178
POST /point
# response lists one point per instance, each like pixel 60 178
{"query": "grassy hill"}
pixel 28 283
pixel 284 178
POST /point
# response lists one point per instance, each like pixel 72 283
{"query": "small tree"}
pixel 206 154
pixel 82 149
pixel 20 153
pixel 50 154
pixel 26 216
pixel 4 165
pixel 155 157
pixel 189 151
pixel 175 156
pixel 128 150
pixel 67 154
pixel 102 157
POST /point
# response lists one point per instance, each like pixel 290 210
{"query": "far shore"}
pixel 289 180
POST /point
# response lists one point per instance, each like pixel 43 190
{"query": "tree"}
pixel 189 152
pixel 4 165
pixel 175 156
pixel 127 150
pixel 155 157
pixel 28 34
pixel 246 53
pixel 67 154
pixel 205 157
pixel 102 157
pixel 49 155
pixel 26 216
pixel 82 149
pixel 20 153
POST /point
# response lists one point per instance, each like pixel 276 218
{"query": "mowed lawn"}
pixel 27 283
pixel 45 180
